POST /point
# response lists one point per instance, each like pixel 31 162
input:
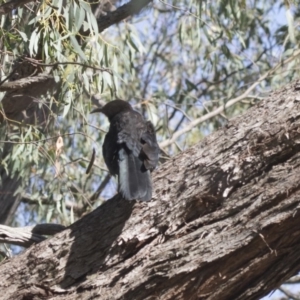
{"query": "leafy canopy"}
pixel 187 65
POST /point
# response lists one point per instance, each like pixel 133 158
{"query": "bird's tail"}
pixel 134 179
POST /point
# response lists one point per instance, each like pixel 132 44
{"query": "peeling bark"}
pixel 223 224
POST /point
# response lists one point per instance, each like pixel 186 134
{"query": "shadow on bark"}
pixel 90 249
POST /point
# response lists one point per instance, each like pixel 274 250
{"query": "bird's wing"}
pixel 150 148
pixel 130 129
pixel 110 152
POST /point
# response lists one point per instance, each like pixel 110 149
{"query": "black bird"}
pixel 130 149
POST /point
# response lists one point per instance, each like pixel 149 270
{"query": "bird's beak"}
pixel 98 109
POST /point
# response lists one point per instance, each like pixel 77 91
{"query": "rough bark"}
pixel 223 224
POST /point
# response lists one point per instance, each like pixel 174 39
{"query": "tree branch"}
pixel 24 82
pixel 26 236
pixel 293 280
pixel 114 17
pixel 6 8
pixel 37 63
pixel 123 12
pixel 228 104
pixel 289 294
pixel 223 223
pixel 77 208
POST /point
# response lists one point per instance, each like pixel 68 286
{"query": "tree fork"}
pixel 223 223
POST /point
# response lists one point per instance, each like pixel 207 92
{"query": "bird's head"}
pixel 113 107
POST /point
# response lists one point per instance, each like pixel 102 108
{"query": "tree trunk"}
pixel 21 105
pixel 223 224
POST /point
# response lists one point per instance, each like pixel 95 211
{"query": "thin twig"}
pixel 9 6
pixel 46 201
pixel 100 188
pixel 228 104
pixel 47 139
pixel 288 293
pixel 35 62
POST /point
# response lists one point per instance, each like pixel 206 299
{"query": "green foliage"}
pixel 176 61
